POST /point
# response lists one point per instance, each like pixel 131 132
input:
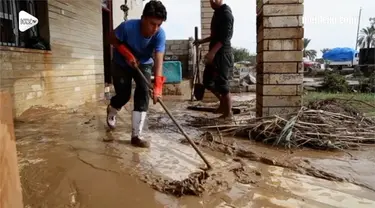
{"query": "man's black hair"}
pixel 156 9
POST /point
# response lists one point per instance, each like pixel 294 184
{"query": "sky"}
pixel 328 23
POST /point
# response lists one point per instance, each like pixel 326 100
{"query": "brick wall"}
pixel 279 56
pixel 206 15
pixel 71 73
pixel 181 50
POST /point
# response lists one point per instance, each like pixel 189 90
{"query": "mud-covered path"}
pixel 65 163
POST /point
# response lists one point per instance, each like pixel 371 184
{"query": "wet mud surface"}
pixel 203 182
pixel 354 167
pixel 65 163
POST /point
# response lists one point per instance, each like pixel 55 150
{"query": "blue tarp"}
pixel 339 54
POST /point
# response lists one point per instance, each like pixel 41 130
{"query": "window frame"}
pixel 11 15
pixel 21 39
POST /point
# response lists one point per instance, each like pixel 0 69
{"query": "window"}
pixel 36 37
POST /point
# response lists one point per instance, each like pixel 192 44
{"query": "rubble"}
pixel 314 126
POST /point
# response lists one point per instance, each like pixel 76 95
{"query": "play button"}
pixel 26 21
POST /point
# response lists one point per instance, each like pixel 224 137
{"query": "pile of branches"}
pixel 310 127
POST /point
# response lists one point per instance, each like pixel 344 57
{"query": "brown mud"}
pixel 203 182
pixel 301 161
pixel 65 163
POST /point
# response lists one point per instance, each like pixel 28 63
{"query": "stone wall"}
pixel 181 50
pixel 279 56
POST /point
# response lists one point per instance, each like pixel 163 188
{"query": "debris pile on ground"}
pixel 193 185
pixel 202 182
pixel 314 126
pixel 238 107
pixel 235 104
pixel 249 79
pixel 229 146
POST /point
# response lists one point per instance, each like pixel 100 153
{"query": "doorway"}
pixel 107 24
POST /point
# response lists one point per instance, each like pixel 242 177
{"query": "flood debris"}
pixel 320 125
pixel 203 182
pixel 208 140
pixel 241 153
pixel 238 107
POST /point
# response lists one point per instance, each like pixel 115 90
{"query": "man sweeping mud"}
pixel 219 59
pixel 143 37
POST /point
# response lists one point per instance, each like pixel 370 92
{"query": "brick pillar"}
pixel 279 56
pixel 206 15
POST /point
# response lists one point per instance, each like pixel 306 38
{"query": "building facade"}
pixel 61 60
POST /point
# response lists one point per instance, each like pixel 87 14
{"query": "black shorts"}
pixel 216 75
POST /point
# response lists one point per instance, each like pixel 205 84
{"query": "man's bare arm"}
pixel 216 48
pixel 205 40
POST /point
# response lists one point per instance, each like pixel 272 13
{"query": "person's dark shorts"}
pixel 216 75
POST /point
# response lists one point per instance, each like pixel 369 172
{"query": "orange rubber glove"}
pixel 130 58
pixel 158 87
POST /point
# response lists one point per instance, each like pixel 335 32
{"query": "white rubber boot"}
pixel 138 121
pixel 111 116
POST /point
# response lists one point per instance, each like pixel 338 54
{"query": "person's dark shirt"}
pixel 222 28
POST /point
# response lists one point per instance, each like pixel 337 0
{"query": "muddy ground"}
pixel 65 163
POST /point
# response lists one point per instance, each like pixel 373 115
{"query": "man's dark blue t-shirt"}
pixel 129 32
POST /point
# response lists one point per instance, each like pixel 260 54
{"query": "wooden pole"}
pixel 196 64
pixel 358 26
pixel 10 185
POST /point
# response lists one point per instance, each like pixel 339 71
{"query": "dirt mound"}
pixel 203 182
